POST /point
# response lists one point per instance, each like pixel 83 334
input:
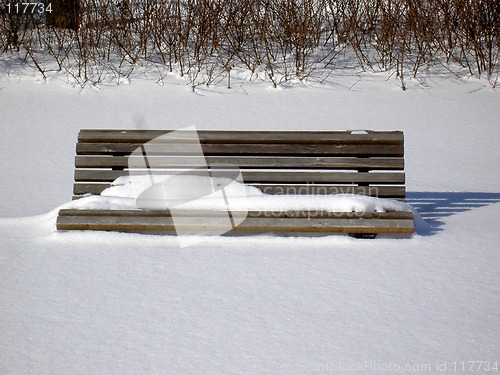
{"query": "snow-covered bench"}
pixel 307 181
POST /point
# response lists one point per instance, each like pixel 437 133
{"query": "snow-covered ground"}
pixel 106 303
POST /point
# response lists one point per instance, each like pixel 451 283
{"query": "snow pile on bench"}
pixel 161 192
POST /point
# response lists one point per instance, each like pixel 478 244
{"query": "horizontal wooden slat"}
pixel 320 189
pixel 256 149
pixel 243 162
pixel 221 136
pixel 270 176
pixel 292 189
pixel 253 214
pixel 161 221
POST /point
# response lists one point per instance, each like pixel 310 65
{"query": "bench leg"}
pixel 363 235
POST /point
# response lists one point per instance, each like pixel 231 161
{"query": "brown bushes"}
pixel 278 40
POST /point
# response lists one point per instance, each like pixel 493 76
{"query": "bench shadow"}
pixel 435 206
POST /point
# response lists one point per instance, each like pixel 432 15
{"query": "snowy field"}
pixel 113 303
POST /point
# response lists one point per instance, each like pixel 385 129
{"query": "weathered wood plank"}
pixel 255 149
pixel 252 214
pixel 257 162
pixel 163 223
pixel 221 136
pixel 292 189
pixel 322 189
pixel 270 176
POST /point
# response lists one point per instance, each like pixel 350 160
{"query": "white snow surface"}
pixel 115 303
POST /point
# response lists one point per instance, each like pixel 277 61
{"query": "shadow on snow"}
pixel 435 206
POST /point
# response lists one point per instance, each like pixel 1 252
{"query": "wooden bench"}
pixel 277 162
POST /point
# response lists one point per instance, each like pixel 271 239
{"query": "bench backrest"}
pixel 278 162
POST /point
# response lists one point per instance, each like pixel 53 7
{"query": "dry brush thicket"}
pixel 278 40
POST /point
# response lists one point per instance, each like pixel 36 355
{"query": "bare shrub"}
pixel 279 40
